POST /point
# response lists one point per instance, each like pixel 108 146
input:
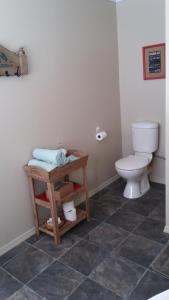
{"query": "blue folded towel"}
pixel 70 158
pixel 41 164
pixel 50 159
pixel 50 156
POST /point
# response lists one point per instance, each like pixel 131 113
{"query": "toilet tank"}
pixel 145 136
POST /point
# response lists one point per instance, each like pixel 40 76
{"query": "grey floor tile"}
pixel 140 250
pixel 99 194
pixel 8 285
pixel 153 230
pixel 84 227
pixel 157 191
pixel 158 186
pixel 158 213
pixel 25 293
pixel 90 290
pixel 27 264
pixel 106 205
pixel 102 209
pixel 117 187
pixel 118 274
pixel 56 282
pixel 114 197
pixel 47 244
pixel 162 263
pixel 125 219
pixel 10 254
pixel 107 236
pixel 145 204
pixel 150 285
pixel 33 239
pixel 84 256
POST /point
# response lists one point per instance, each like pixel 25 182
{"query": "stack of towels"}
pixel 50 159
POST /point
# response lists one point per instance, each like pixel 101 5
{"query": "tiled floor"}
pixel 122 253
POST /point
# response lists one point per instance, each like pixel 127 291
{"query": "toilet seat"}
pixel 132 162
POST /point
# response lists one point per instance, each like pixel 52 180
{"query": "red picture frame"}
pixel 154 61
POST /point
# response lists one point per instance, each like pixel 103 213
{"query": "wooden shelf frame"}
pixel 53 203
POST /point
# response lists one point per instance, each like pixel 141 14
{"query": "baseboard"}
pixel 103 185
pixel 17 241
pixel 99 188
pixel 166 229
pixel 30 232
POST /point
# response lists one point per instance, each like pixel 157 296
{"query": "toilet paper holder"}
pixel 100 135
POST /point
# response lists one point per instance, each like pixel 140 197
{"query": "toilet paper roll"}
pixel 70 215
pixel 68 206
pixel 100 136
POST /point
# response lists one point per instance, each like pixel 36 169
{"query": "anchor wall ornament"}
pixel 13 63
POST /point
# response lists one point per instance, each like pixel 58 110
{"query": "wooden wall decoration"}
pixel 13 63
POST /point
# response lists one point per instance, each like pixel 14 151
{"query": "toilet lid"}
pixel 132 162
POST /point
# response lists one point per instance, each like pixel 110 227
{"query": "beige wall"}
pixel 72 87
pixel 140 23
pixel 167 118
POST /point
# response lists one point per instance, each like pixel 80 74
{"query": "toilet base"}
pixel 135 189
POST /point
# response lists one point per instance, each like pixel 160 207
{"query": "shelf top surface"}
pixel 58 171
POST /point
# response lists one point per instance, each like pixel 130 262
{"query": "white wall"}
pixel 72 87
pixel 140 23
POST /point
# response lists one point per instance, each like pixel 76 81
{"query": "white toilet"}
pixel 134 167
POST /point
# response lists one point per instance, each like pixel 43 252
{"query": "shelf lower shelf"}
pixel 67 225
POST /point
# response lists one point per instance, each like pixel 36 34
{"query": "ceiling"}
pixel 116 1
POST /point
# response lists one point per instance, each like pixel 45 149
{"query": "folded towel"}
pixel 50 156
pixel 42 164
pixel 70 158
pixel 48 166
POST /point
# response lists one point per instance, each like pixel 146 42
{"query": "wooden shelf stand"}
pixel 53 202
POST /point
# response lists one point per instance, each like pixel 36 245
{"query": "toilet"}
pixel 134 168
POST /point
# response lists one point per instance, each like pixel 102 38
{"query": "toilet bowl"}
pixel 133 168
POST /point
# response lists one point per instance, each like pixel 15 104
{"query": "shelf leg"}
pixel 86 194
pixel 54 213
pixel 35 209
pixel 67 178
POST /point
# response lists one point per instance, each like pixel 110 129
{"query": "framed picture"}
pixel 154 62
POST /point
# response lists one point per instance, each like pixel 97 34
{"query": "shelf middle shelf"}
pixel 42 199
